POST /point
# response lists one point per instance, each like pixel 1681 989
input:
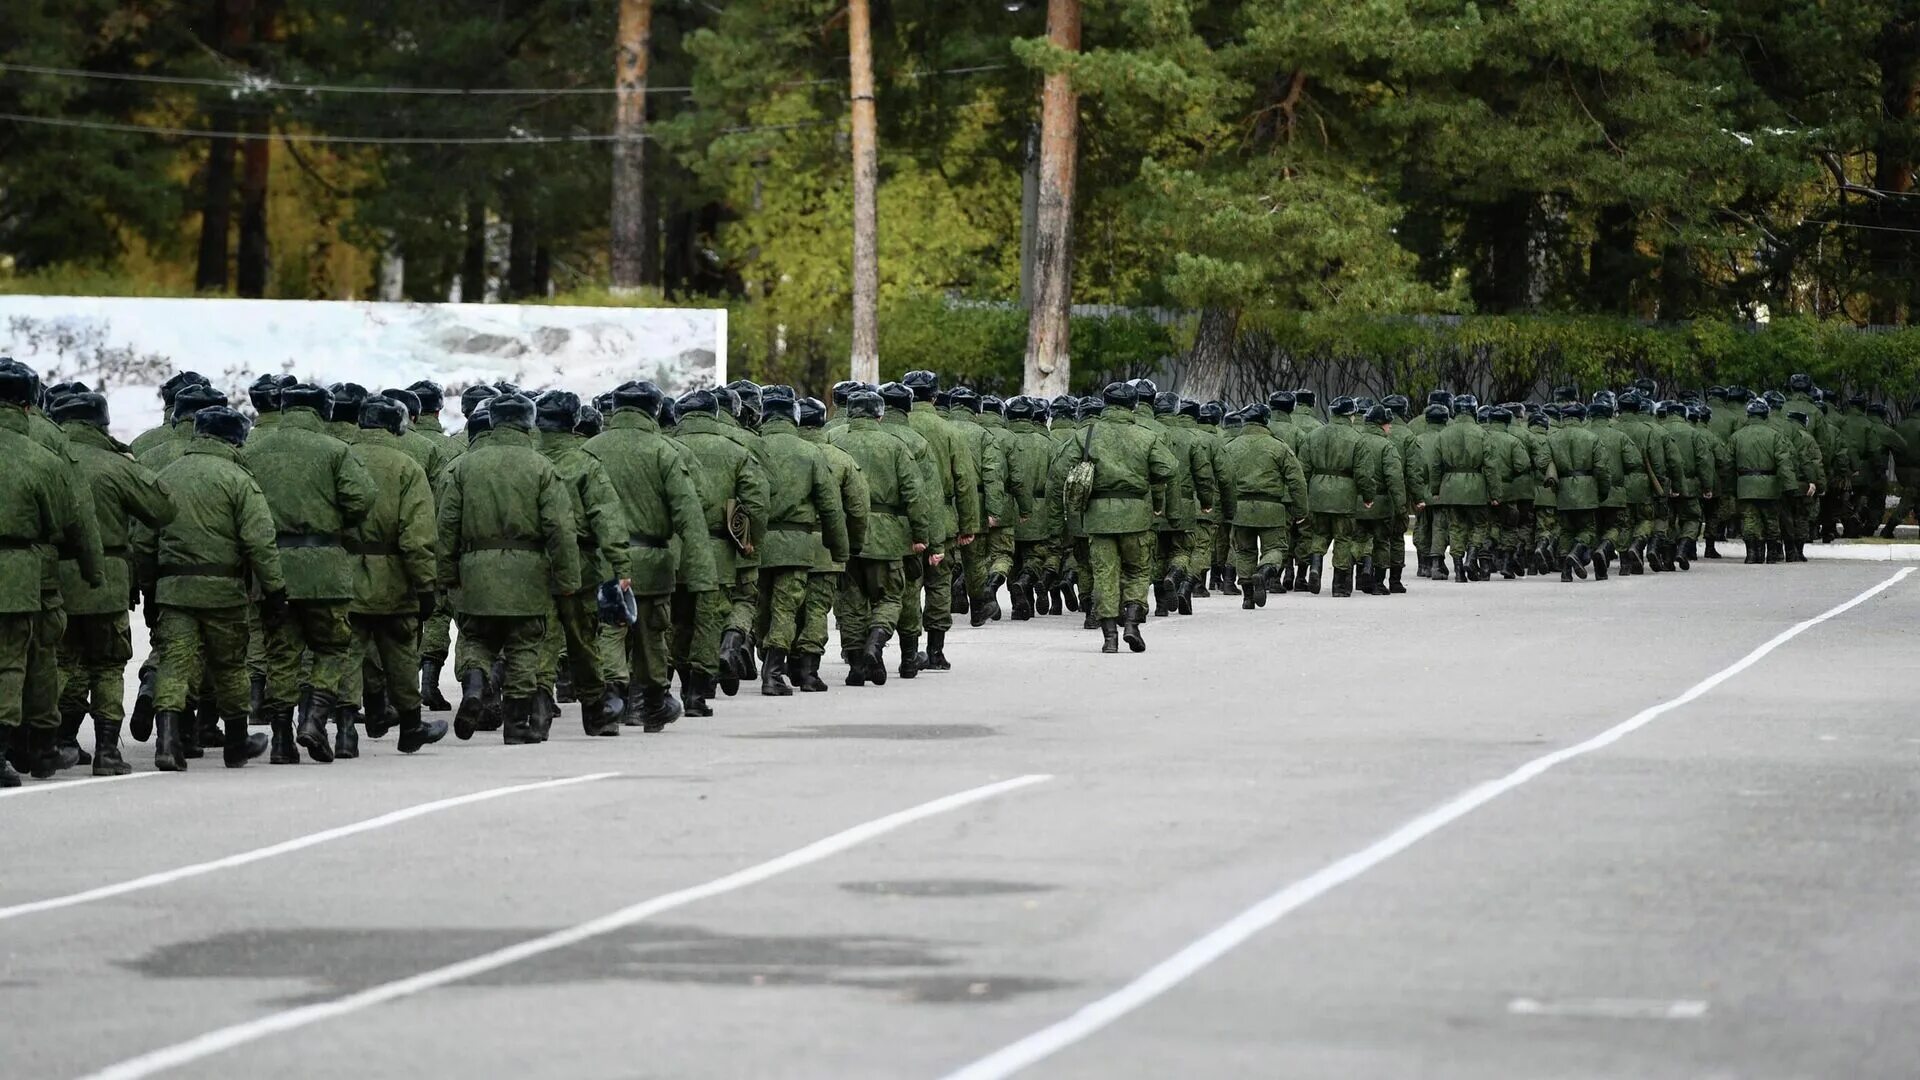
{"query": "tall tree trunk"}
pixel 1895 147
pixel 255 263
pixel 233 28
pixel 1612 262
pixel 1048 367
pixel 866 175
pixel 1204 376
pixel 632 232
pixel 1029 214
pixel 522 242
pixel 651 275
pixel 473 262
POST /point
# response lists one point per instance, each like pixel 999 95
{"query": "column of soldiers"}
pixel 313 569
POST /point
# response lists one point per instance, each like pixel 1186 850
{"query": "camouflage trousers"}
pixel 783 592
pixel 573 634
pixel 927 601
pixel 436 635
pixel 811 638
pixel 318 627
pixel 1649 519
pixel 744 599
pixel 975 559
pixel 1612 525
pixel 17 659
pixel 1515 525
pixel 1571 528
pixel 1207 550
pixel 191 641
pixel 1546 527
pixel 1424 533
pixel 697 620
pixel 1122 567
pixel 1457 529
pixel 1334 531
pixel 384 645
pixel 1376 539
pixel 93 666
pixel 514 640
pixel 1796 518
pixel 1255 548
pixel 870 596
pixel 1683 517
pixel 1760 520
pixel 1000 550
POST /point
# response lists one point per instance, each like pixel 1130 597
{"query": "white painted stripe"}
pixel 1189 961
pixel 215 1042
pixel 285 847
pixel 34 786
pixel 1611 1008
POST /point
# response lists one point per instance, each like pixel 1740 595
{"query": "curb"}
pixel 1837 552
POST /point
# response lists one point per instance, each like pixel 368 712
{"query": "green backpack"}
pixel 1078 490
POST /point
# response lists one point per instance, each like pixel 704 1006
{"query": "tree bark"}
pixel 1048 367
pixel 522 244
pixel 632 232
pixel 866 176
pixel 255 263
pixel 473 263
pixel 1893 171
pixel 1204 376
pixel 233 26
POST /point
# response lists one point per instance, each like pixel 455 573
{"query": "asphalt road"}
pixel 1719 888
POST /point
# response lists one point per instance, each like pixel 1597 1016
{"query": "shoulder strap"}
pixel 1086 445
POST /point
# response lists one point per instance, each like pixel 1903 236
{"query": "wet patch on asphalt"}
pixel 337 961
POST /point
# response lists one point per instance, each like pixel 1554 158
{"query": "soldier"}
pixel 804 514
pixel 317 491
pixel 1430 525
pixel 395 583
pixel 989 465
pixel 1686 469
pixel 1582 479
pixel 1870 494
pixel 1714 460
pixel 1768 470
pixel 1379 526
pixel 39 522
pixel 1132 471
pixel 98 643
pixel 220 541
pixel 508 542
pixel 1469 488
pixel 1798 521
pixel 1263 492
pixel 1342 480
pixel 1646 490
pixel 1028 451
pixel 824 577
pixel 436 633
pixel 602 535
pixel 1281 419
pixel 1623 462
pixel 172 427
pixel 1194 491
pixel 1906 468
pixel 901 516
pixel 728 475
pixel 1058 578
pixel 1512 508
pixel 1545 553
pixel 653 476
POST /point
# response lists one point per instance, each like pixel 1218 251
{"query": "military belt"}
pixel 120 552
pixel 306 540
pixel 1579 472
pixel 199 570
pixel 371 547
pixel 896 509
pixel 795 527
pixel 639 541
pixel 1756 472
pixel 508 545
pixel 14 543
pixel 1334 472
pixel 1262 498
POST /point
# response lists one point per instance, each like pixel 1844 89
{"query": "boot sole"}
pixel 316 748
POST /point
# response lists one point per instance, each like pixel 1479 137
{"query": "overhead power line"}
pixel 369 140
pixel 248 83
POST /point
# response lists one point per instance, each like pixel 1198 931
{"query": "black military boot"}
pixel 140 721
pixel 937 651
pixel 857 666
pixel 257 699
pixel 1460 569
pixel 1197 587
pixel 311 733
pixel 1600 565
pixel 1505 563
pixel 283 750
pixel 875 654
pixel 562 686
pixel 1183 593
pixel 1343 581
pixel 773 677
pixel 1796 552
pixel 657 709
pixel 1254 594
pixel 750 662
pixel 613 700
pixel 1776 551
pixel 1690 550
pixel 67 743
pixel 166 742
pixel 696 693
pixel 1162 598
pixel 545 710
pixel 1229 581
pixel 1886 531
pixel 909 655
pixel 1582 557
pixel 1393 579
pixel 809 681
pixel 516 728
pixel 241 746
pixel 1131 616
pixel 1021 592
pixel 346 731
pixel 1712 552
pixel 431 698
pixel 961 603
pixel 992 602
pixel 1425 569
pixel 473 693
pixel 1089 622
pixel 1314 567
pixel 1566 569
pixel 193 731
pixel 1756 551
pixel 8 777
pixel 1263 583
pixel 733 647
pixel 106 750
pixel 43 753
pixel 380 717
pixel 493 703
pixel 416 732
pixel 1363 576
pixel 1379 586
pixel 1109 636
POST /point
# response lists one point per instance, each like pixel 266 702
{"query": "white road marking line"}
pixel 1610 1008
pixel 34 786
pixel 285 847
pixel 214 1042
pixel 1189 961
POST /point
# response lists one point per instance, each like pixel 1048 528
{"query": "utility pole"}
pixel 866 176
pixel 1048 367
